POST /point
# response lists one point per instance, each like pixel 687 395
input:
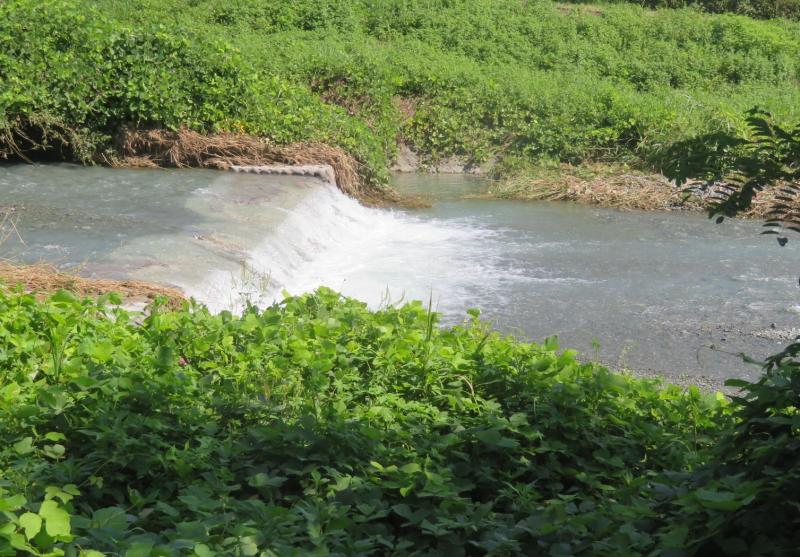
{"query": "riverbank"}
pixel 43 280
pixel 606 185
pixel 185 148
pixel 540 82
pixel 614 186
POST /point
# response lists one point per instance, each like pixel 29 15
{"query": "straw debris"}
pixel 617 187
pixel 43 279
pixel 596 185
pixel 186 148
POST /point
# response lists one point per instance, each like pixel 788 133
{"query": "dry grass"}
pixel 42 278
pixel 613 186
pixel 186 148
pixel 764 204
pixel 603 185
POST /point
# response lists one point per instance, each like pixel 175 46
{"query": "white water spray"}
pixel 328 239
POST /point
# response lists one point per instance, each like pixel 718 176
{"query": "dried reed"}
pixel 43 278
pixel 187 148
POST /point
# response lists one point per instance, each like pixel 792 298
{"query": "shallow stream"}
pixel 645 291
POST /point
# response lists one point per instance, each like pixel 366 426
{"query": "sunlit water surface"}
pixel 647 291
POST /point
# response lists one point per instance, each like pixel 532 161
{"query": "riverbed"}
pixel 664 293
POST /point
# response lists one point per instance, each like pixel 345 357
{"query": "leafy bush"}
pixel 319 427
pixel 763 9
pixel 479 78
pixel 80 78
pixel 747 501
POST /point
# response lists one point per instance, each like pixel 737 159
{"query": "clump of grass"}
pixel 604 185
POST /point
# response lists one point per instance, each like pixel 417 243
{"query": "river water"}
pixel 666 292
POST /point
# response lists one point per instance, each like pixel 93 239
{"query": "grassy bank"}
pixel 763 9
pixel 519 81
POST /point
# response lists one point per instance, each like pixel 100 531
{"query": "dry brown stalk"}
pixel 43 279
pixel 187 148
pixel 615 187
pixel 623 190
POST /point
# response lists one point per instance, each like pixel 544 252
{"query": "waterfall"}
pixel 375 255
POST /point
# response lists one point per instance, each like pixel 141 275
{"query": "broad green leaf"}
pixel 56 519
pixel 24 446
pixel 248 547
pixel 63 296
pixel 12 502
pixel 719 500
pixel 112 519
pixel 493 438
pixel 55 451
pixel 410 468
pixel 202 550
pixel 139 549
pixel 263 480
pixel 102 351
pixel 31 523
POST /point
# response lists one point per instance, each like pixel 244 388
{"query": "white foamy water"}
pixel 374 255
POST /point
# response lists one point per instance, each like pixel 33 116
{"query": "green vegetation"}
pixel 317 427
pixel 522 81
pixel 765 160
pixel 763 9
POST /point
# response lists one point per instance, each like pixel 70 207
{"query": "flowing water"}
pixel 646 291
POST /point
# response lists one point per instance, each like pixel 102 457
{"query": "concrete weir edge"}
pixel 322 171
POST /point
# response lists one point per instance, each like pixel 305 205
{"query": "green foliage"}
pixel 763 9
pixel 745 501
pixel 765 157
pixel 748 501
pixel 80 78
pixel 478 79
pixel 319 427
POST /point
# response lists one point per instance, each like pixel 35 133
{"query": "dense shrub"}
pixel 79 78
pixel 747 501
pixel 763 9
pixel 478 78
pixel 319 427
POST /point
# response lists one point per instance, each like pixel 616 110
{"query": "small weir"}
pixel 645 291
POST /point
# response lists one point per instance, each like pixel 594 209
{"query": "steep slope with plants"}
pixel 520 82
pixel 762 9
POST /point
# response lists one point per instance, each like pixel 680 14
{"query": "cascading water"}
pixel 654 290
pixel 230 239
pixel 377 256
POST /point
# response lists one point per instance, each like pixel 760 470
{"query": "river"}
pixel 670 293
